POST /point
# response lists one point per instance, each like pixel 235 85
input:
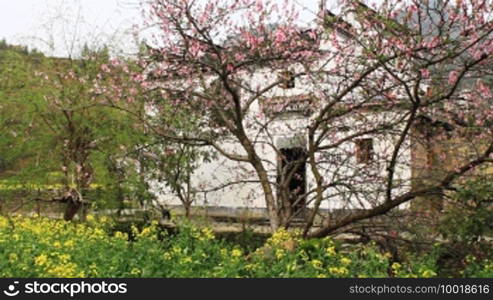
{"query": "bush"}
pixel 40 247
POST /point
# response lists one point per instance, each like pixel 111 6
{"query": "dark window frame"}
pixel 364 150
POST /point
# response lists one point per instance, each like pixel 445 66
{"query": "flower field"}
pixel 40 247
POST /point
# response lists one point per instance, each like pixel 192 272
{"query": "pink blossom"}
pixel 259 5
pixel 279 37
pixel 452 77
pixel 239 56
pixel 115 62
pixel 425 73
pixel 484 90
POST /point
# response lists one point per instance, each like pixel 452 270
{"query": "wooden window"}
pixel 287 78
pixel 364 151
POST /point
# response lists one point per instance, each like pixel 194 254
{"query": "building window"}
pixel 287 78
pixel 364 151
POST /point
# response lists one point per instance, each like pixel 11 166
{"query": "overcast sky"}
pixel 60 27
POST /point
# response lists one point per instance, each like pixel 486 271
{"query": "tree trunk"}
pixel 74 204
pixel 72 209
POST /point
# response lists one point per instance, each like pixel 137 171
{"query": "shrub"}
pixel 40 247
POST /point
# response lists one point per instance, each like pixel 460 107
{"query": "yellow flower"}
pixel 291 267
pixel 176 250
pixel 396 266
pixel 279 237
pixel 280 253
pixel 121 235
pixel 4 223
pixel 135 230
pixel 135 271
pixel 13 257
pixel 224 252
pixel 338 271
pixel 321 275
pixel 146 231
pixel 186 260
pixel 57 244
pixel 104 220
pixel 428 273
pixel 64 257
pixel 236 253
pixel 167 256
pixel 98 233
pixel 331 251
pixel 207 234
pixel 93 269
pixel 345 261
pixel 69 244
pixel 41 260
pixel 65 270
pixel 316 263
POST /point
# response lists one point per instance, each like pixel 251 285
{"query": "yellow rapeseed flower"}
pixel 280 253
pixel 224 252
pixel 93 269
pixel 291 267
pixel 345 261
pixel 69 244
pixel 186 260
pixel 120 235
pixel 13 257
pixel 316 263
pixel 428 273
pixel 236 253
pixel 4 223
pixel 64 257
pixel 338 271
pixel 41 260
pixel 279 237
pixel 64 270
pixel 331 251
pixel 207 234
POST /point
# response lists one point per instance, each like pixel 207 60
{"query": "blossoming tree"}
pixel 349 105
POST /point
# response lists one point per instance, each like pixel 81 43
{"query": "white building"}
pixel 277 125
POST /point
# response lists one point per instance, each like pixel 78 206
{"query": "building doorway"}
pixel 292 161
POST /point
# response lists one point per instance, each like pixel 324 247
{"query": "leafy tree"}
pixel 55 133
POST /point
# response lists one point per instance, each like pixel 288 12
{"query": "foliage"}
pixel 466 230
pixel 468 217
pixel 40 247
pixel 21 131
pixel 55 134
